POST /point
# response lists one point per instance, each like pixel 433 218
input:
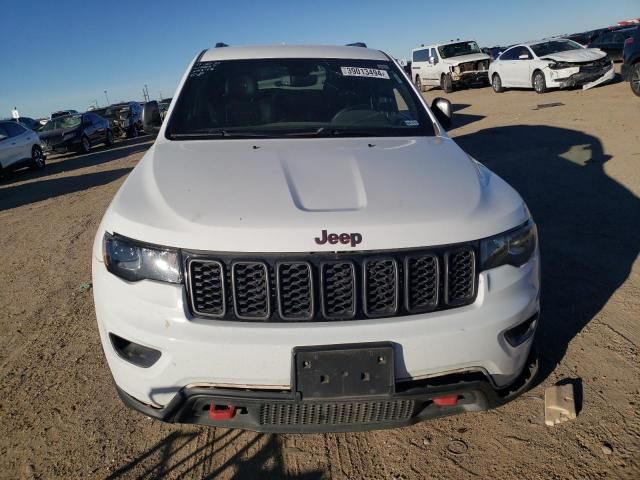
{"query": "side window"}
pixel 510 54
pixel 14 129
pixel 525 51
pixel 434 55
pixel 618 38
pixel 604 38
pixel 421 55
pixel 3 133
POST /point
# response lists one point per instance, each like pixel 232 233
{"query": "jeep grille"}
pixel 330 286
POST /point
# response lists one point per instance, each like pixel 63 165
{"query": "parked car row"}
pixel 539 65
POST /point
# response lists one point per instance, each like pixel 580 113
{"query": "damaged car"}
pixel 125 118
pixel 557 63
pixel 449 66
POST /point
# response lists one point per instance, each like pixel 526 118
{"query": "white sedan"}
pixel 556 63
pixel 19 147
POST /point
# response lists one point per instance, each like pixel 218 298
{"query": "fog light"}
pixel 139 355
pixel 521 333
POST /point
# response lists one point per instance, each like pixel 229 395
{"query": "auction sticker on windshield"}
pixel 364 72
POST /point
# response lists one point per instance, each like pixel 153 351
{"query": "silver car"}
pixel 19 147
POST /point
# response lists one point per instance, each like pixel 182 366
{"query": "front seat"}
pixel 242 104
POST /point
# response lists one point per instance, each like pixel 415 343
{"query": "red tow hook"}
pixel 446 400
pixel 221 412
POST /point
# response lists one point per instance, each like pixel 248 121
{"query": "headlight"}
pixel 135 261
pixel 514 247
pixel 559 65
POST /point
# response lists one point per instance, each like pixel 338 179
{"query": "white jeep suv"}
pixel 449 65
pixel 303 248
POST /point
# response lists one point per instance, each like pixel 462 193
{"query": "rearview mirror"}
pixel 441 108
pixel 151 119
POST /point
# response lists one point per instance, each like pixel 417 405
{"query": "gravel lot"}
pixel 577 166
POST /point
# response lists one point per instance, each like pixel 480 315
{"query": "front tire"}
pixel 496 83
pixel 634 78
pixel 108 141
pixel 446 83
pixel 133 131
pixel 85 145
pixel 418 84
pixel 37 158
pixel 539 82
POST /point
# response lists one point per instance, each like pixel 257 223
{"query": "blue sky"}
pixel 64 54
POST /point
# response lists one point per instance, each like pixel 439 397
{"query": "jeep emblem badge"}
pixel 343 238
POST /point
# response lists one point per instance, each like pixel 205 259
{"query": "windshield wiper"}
pixel 216 134
pixel 329 131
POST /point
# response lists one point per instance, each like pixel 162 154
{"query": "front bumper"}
pixel 257 356
pixel 585 78
pixel 286 412
pixel 471 77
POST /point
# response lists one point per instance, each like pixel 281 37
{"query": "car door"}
pixel 100 128
pixel 434 68
pixel 506 67
pixel 88 128
pixel 20 140
pixel 517 67
pixel 7 151
pixel 419 63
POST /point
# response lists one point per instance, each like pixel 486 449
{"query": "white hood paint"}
pixel 399 193
pixel 474 57
pixel 581 55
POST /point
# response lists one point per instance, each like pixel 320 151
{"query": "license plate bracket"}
pixel 343 371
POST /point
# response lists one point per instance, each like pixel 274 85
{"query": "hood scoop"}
pixel 322 183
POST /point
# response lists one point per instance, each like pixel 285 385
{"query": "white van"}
pixel 449 65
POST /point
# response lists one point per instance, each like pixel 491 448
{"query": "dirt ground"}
pixel 577 166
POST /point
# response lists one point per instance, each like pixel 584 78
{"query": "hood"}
pixel 577 56
pixel 278 195
pixel 474 57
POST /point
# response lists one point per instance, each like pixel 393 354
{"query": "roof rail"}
pixel 356 44
pixel 221 44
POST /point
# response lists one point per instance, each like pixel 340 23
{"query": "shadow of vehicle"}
pixel 31 192
pixel 238 455
pixel 589 223
pixel 462 119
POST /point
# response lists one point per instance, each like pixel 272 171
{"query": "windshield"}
pixel 458 49
pixel 297 97
pixel 71 121
pixel 554 46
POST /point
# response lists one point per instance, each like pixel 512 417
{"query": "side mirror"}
pixel 432 60
pixel 441 108
pixel 151 117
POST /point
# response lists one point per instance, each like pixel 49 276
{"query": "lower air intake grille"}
pixel 335 413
